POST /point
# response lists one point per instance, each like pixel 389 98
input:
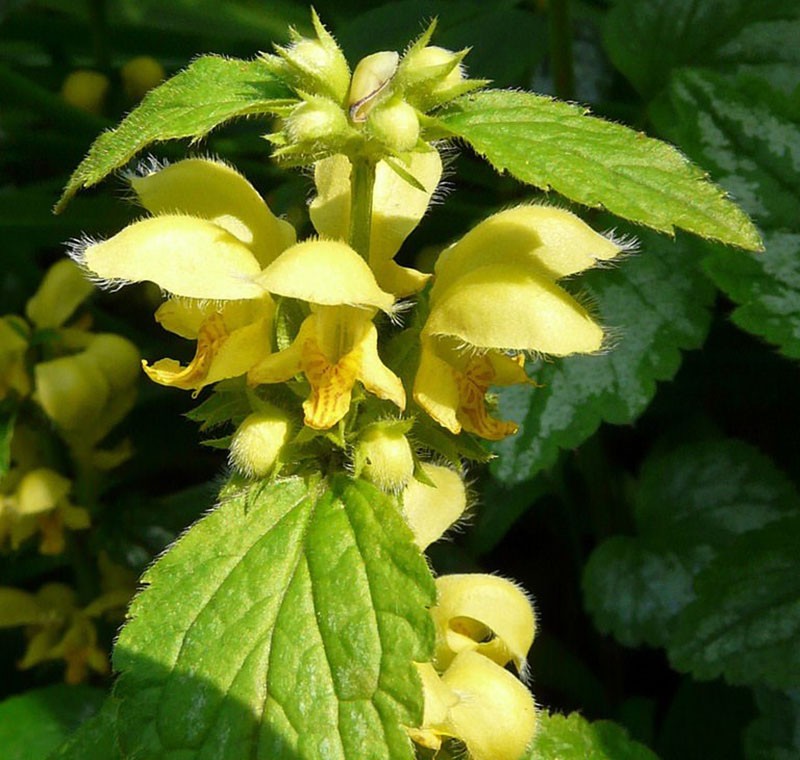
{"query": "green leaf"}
pixel 572 737
pixel 551 144
pixel 690 504
pixel 94 739
pixel 33 724
pixel 745 621
pixel 8 417
pixel 655 305
pixel 753 147
pixel 283 624
pixel 648 39
pixel 211 91
pixel 775 735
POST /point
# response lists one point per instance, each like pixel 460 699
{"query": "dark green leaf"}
pixel 775 735
pixel 211 91
pixel 572 737
pixel 647 39
pixel 33 724
pixel 753 147
pixel 94 739
pixel 745 621
pixel 8 417
pixel 284 624
pixel 690 504
pixel 655 305
pixel 555 145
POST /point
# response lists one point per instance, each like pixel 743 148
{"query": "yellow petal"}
pixel 495 715
pixel 374 375
pixel 13 346
pixel 20 608
pixel 484 613
pixel 184 255
pixel 504 307
pixel 397 209
pixel 214 191
pixel 431 510
pixel 325 272
pixel 63 289
pixel 40 491
pixel 72 390
pixel 436 389
pixel 184 316
pixel 222 352
pixel 117 358
pixel 550 242
pixel 438 701
pixel 285 364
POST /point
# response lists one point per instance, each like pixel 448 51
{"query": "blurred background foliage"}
pixel 656 523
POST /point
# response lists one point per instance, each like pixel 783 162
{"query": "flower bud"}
pixel 314 121
pixel 140 75
pixel 85 90
pixel 484 613
pixel 371 79
pixel 117 358
pixel 438 67
pixel 258 441
pixel 384 457
pixel 431 510
pixel 395 124
pixel 72 391
pixel 495 715
pixel 315 66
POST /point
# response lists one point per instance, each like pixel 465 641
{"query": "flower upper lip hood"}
pixel 495 296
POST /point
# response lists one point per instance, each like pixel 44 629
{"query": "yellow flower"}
pixel 209 239
pixel 495 297
pixel 397 208
pixel 430 510
pixel 337 344
pixel 37 501
pixel 58 629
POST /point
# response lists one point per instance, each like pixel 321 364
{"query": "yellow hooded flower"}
pixel 337 344
pixel 495 297
pixel 58 629
pixel 37 501
pixel 397 208
pixel 209 239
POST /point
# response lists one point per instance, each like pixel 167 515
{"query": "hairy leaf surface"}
pixel 556 145
pixel 283 624
pixel 573 737
pixel 211 91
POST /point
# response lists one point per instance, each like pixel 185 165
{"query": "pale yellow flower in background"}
pixel 37 501
pixel 495 298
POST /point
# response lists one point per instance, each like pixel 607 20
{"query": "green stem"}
pixel 561 49
pixel 362 184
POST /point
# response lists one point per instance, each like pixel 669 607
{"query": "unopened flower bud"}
pixel 396 125
pixel 484 613
pixel 63 289
pixel 385 457
pixel 140 75
pixel 314 121
pixel 85 90
pixel 495 715
pixel 431 509
pixel 315 66
pixel 371 79
pixel 433 64
pixel 257 443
